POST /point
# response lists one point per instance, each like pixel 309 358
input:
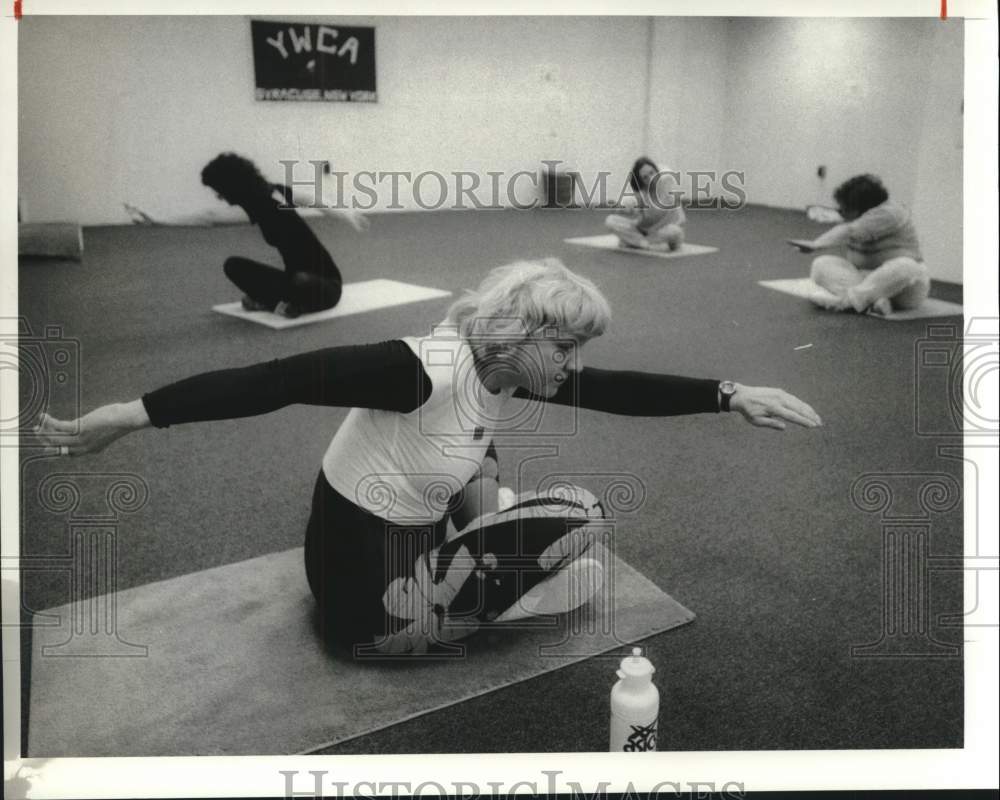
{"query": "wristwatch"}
pixel 726 391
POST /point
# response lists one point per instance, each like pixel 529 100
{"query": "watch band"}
pixel 726 390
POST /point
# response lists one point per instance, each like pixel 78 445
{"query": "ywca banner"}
pixel 307 61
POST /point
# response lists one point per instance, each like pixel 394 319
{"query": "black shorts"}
pixel 376 580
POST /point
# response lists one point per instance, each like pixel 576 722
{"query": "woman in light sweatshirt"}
pixel 880 267
pixel 655 220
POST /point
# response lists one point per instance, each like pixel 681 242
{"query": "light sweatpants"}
pixel 903 281
pixel 628 231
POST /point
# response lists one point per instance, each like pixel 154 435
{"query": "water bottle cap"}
pixel 636 666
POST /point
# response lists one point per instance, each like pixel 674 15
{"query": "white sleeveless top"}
pixel 405 467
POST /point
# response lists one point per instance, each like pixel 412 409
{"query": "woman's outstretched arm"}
pixel 835 237
pixel 307 200
pixel 646 394
pixel 386 376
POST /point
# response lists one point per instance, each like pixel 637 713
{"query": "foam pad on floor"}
pixel 356 299
pixel 228 662
pixel 609 241
pixel 50 240
pixel 806 288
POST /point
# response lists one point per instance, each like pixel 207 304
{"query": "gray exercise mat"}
pixel 806 287
pixel 357 298
pixel 227 662
pixel 608 241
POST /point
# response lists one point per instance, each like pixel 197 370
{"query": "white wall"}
pixel 855 95
pixel 687 93
pixel 777 98
pixel 937 186
pixel 130 108
pixel 845 93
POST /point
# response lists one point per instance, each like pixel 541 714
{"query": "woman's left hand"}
pixel 772 408
pixel 803 245
pixel 94 431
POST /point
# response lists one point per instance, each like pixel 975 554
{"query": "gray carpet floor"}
pixel 754 531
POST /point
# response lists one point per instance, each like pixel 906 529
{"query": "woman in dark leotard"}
pixel 310 280
pixel 414 454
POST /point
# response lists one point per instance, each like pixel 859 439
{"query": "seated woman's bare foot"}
pixel 882 307
pixel 830 301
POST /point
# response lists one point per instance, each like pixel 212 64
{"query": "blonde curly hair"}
pixel 519 298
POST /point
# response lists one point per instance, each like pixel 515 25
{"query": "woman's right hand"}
pixel 92 432
pixel 803 245
pixel 765 407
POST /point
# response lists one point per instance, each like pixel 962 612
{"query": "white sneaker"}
pixel 505 498
pixel 571 587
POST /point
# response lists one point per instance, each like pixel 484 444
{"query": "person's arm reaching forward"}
pixel 387 376
pixel 835 237
pixel 645 394
pixel 351 216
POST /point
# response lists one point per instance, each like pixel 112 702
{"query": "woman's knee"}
pixel 826 265
pixel 329 294
pixel 302 280
pixel 617 223
pixel 819 267
pixel 913 278
pixel 579 541
pixel 314 292
pixel 673 235
pixel 231 266
pixel 905 267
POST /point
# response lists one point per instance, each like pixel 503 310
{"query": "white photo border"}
pixel 973 766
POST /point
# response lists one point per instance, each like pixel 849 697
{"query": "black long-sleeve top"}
pixel 290 235
pixel 389 376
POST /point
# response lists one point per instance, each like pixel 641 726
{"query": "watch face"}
pixel 727 387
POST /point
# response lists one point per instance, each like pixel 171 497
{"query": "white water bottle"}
pixel 635 706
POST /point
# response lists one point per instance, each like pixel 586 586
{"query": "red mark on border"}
pixel 944 9
pixel 17 9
